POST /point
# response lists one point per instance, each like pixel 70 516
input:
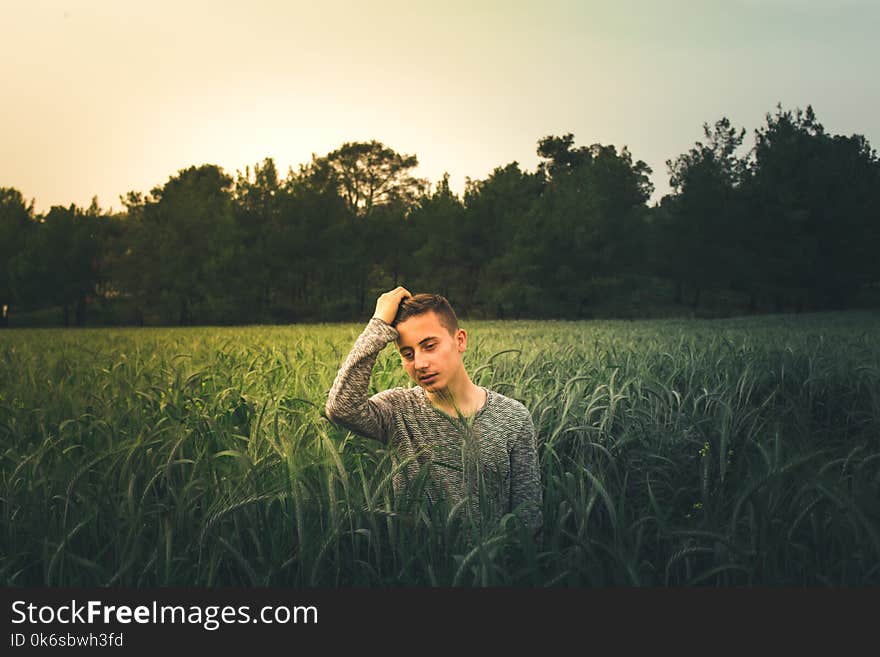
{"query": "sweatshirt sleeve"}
pixel 348 403
pixel 525 477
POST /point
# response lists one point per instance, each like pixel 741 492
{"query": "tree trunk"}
pixel 836 299
pixel 267 293
pixel 697 298
pixel 66 312
pixel 80 311
pixel 304 290
pixel 4 316
pixel 753 303
pixel 678 292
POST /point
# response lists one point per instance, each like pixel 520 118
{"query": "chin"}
pixel 433 386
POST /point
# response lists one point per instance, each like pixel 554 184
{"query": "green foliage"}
pixel 699 248
pixel 369 175
pixel 814 200
pixel 791 225
pixel 714 453
pixel 57 259
pixel 16 221
pixel 183 247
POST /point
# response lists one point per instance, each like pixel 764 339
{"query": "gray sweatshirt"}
pixel 496 447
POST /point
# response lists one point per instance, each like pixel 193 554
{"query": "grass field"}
pixel 716 453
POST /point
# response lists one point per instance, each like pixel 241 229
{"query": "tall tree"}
pixel 702 249
pixel 813 218
pixel 60 264
pixel 325 246
pixel 432 245
pixel 370 174
pixel 586 231
pixel 496 211
pixel 258 198
pixel 184 248
pixel 16 222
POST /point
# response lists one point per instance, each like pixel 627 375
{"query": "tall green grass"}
pixel 712 453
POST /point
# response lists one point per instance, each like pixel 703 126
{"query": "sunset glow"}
pixel 104 97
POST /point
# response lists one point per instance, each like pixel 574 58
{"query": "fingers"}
pixel 388 303
pixel 397 292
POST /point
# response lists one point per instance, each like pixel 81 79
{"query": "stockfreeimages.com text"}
pixel 211 617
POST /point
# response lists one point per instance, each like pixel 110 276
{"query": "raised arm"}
pixel 349 403
pixel 525 476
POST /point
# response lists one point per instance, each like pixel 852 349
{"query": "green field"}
pixel 714 453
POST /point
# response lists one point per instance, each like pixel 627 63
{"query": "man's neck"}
pixel 469 398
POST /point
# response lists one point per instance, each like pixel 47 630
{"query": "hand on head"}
pixel 388 303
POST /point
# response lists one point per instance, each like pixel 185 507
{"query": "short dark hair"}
pixel 419 304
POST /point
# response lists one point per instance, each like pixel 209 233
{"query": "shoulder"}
pixel 507 407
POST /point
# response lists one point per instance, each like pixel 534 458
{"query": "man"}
pixel 477 445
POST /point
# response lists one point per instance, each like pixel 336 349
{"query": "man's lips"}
pixel 428 377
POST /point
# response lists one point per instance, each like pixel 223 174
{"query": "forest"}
pixel 787 224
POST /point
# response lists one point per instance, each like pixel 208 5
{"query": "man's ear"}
pixel 461 340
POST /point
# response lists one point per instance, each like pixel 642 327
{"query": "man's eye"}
pixel 428 347
pixel 407 356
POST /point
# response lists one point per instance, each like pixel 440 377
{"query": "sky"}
pixel 102 97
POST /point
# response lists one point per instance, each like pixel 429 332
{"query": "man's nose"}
pixel 421 362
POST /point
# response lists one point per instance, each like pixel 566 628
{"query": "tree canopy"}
pixel 791 223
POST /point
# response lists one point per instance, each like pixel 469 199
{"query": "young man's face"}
pixel 430 356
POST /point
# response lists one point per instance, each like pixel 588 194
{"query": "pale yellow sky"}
pixel 102 97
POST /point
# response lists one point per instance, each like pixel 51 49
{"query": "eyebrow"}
pixel 422 341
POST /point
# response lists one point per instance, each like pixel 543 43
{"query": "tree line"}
pixel 791 224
